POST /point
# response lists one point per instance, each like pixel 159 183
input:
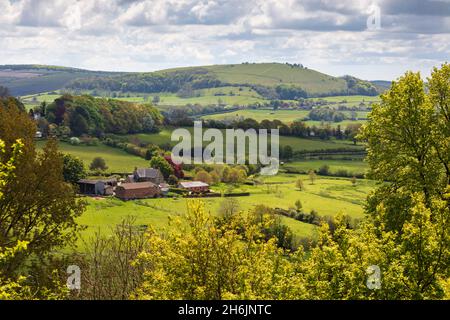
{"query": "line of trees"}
pixel 78 115
pixel 295 128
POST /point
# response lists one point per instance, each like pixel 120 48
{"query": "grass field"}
pixel 273 74
pixel 355 167
pixel 300 144
pixel 116 159
pixel 285 116
pixel 259 115
pixel 328 196
pixel 349 99
pixel 224 95
pixel 229 96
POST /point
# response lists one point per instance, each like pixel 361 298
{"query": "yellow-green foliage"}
pixel 10 289
pixel 196 259
pixel 15 287
pixel 199 260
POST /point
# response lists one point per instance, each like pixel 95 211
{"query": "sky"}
pixel 369 39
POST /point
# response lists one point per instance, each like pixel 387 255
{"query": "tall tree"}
pixel 158 162
pixel 408 146
pixel 73 169
pixel 37 205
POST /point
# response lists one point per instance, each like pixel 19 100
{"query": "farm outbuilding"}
pixel 194 186
pixel 146 175
pixel 137 190
pixel 96 187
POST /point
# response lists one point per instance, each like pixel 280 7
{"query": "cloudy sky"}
pixel 335 37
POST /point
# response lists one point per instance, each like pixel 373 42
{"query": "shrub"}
pixel 98 163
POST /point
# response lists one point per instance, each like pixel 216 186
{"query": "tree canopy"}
pixel 97 116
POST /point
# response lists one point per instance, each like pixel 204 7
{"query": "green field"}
pixel 41 97
pixel 285 116
pixel 349 99
pixel 328 196
pixel 119 161
pixel 273 74
pixel 223 95
pixel 116 159
pixel 300 144
pixel 33 79
pixel 229 96
pixel 212 96
pixel 351 166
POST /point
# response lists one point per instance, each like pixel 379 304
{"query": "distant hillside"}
pixel 270 80
pixel 382 85
pixel 31 79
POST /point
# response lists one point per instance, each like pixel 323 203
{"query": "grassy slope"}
pixel 349 165
pixel 267 74
pixel 116 159
pixel 296 143
pixel 273 74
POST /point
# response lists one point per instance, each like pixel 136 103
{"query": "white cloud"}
pixel 148 35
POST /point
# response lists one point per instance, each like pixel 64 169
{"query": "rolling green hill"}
pixel 273 75
pixel 268 80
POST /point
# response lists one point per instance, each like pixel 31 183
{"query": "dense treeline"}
pixel 326 114
pixel 359 87
pixel 197 78
pixel 78 115
pixel 294 129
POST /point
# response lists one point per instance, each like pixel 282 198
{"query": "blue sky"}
pixel 329 36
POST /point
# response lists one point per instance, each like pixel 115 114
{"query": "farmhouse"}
pixel 146 175
pixel 194 186
pixel 96 187
pixel 137 190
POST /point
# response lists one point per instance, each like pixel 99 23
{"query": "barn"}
pixel 96 187
pixel 146 175
pixel 194 186
pixel 137 190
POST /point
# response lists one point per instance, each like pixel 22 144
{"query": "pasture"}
pixel 286 116
pixel 298 144
pixel 351 166
pixel 116 159
pixel 327 196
